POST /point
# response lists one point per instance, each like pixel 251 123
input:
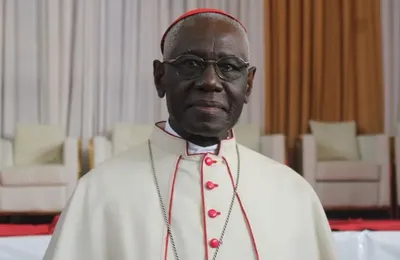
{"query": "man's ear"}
pixel 249 87
pixel 158 73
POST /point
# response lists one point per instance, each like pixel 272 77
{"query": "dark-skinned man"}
pixel 191 192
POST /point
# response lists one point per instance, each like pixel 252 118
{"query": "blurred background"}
pixel 76 88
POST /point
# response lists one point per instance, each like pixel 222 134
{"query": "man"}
pixel 191 192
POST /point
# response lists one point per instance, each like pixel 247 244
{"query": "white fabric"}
pixel 390 10
pixel 351 246
pixel 126 221
pixel 87 65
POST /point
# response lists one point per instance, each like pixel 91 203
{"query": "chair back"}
pixel 38 144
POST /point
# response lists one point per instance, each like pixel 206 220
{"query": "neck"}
pixel 195 139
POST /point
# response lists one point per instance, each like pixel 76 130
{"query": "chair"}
pixel 124 135
pixel 340 184
pixel 272 146
pixel 39 170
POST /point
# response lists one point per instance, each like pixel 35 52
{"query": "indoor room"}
pixel 200 129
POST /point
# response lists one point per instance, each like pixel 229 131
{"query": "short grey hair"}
pixel 172 34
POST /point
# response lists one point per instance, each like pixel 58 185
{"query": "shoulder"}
pixel 118 173
pixel 264 179
pixel 135 156
pixel 272 173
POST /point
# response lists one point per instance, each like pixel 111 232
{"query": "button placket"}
pixel 212 171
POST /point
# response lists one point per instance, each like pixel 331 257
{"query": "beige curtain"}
pixel 323 62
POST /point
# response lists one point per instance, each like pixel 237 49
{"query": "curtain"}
pixel 391 57
pixel 323 62
pixel 87 65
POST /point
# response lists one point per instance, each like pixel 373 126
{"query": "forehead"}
pixel 209 38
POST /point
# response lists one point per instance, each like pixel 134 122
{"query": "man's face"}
pixel 206 105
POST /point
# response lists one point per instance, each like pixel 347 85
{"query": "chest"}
pixel 255 224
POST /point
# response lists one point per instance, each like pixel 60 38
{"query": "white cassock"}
pixel 115 212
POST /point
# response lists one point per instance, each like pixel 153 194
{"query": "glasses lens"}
pixel 231 68
pixel 189 66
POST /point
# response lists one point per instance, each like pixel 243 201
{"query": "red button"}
pixel 209 161
pixel 210 185
pixel 212 213
pixel 214 243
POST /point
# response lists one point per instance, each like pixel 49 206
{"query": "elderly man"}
pixel 191 192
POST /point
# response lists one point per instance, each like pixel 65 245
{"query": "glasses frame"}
pixel 207 63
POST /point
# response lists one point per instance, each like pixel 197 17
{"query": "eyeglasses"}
pixel 191 66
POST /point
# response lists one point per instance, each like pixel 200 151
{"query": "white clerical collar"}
pixel 192 148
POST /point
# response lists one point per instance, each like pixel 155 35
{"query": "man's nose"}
pixel 209 80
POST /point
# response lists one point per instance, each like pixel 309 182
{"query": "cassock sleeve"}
pixel 326 245
pixel 73 237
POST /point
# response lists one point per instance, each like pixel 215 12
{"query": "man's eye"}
pixel 226 67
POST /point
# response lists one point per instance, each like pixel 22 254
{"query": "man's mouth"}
pixel 207 105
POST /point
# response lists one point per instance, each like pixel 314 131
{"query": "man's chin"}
pixel 206 129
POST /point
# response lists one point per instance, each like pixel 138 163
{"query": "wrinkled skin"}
pixel 201 125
